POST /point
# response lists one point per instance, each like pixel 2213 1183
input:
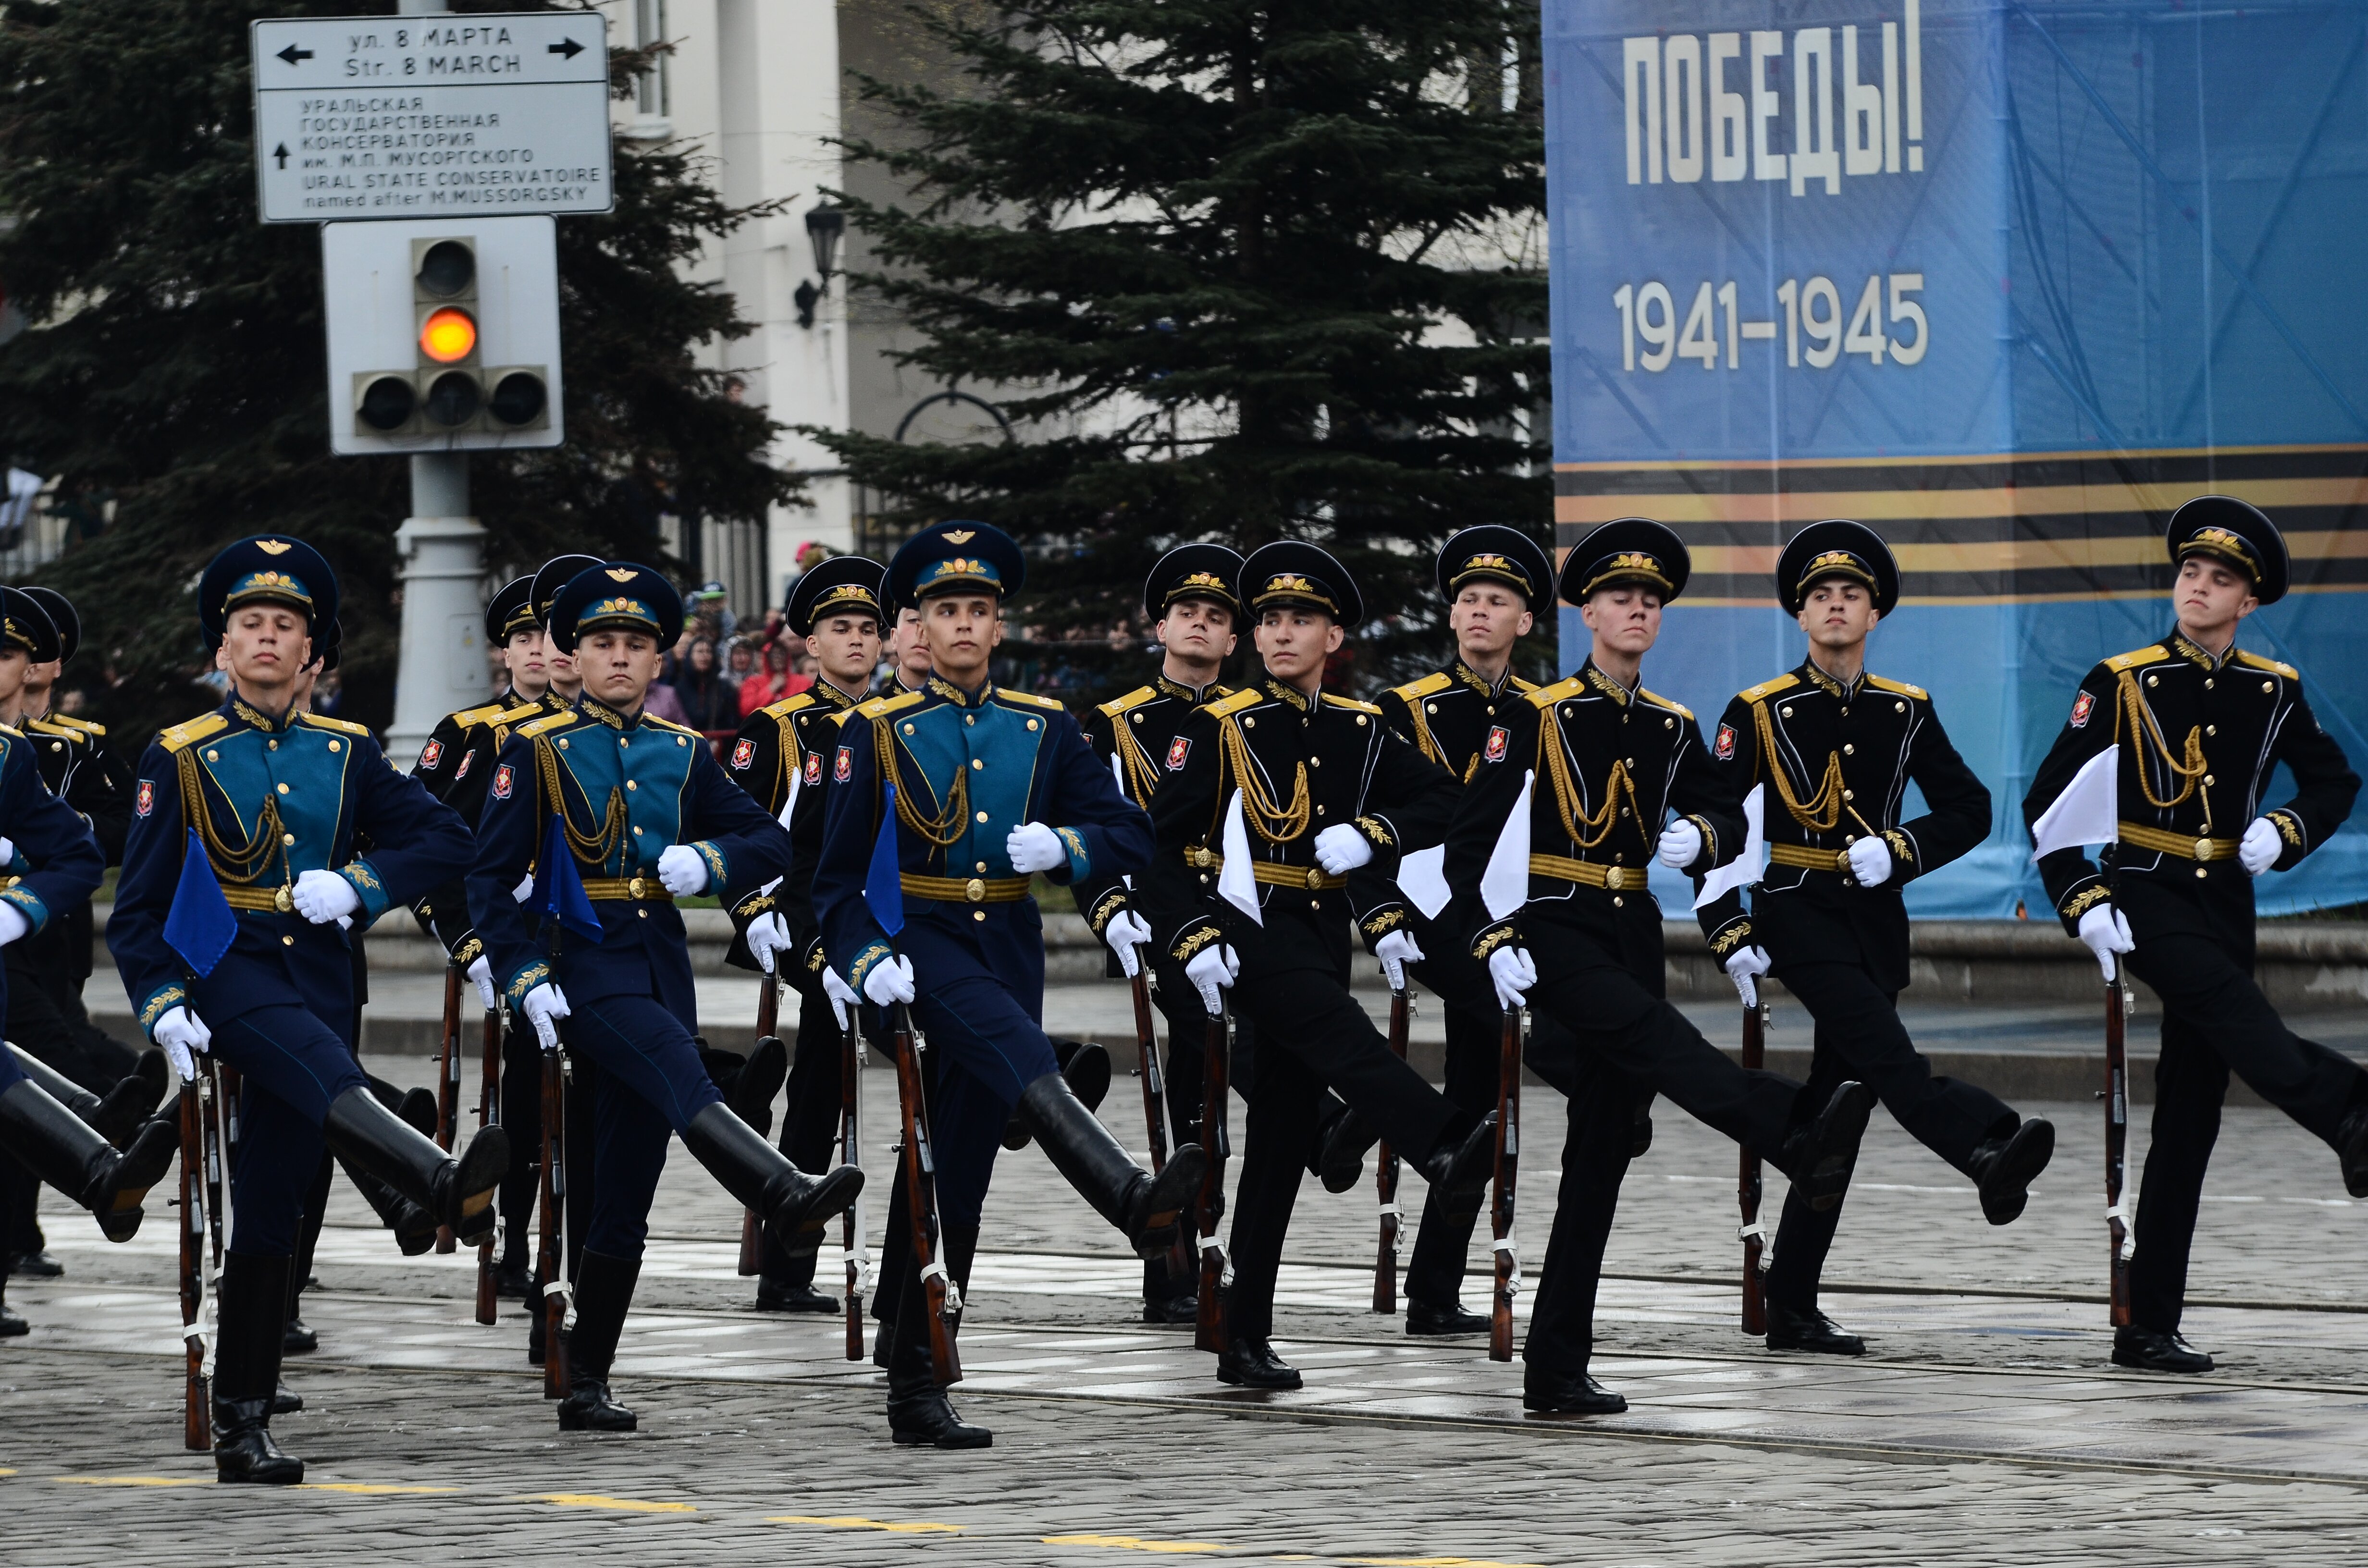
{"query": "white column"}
pixel 443 657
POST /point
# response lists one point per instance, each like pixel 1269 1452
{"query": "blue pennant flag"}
pixel 882 889
pixel 200 927
pixel 559 886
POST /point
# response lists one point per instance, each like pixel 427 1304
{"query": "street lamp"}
pixel 826 225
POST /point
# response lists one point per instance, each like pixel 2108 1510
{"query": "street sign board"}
pixel 431 116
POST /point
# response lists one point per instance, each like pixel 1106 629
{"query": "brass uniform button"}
pixel 1031 723
pixel 1138 718
pixel 2207 683
pixel 2154 680
pixel 336 745
pixel 2211 729
pixel 981 867
pixel 287 941
pixel 1619 903
pixel 1849 795
pixel 630 784
pixel 1669 724
pixel 977 763
pixel 562 742
pixel 637 833
pixel 1849 750
pixel 267 745
pixel 2267 686
pixel 1787 712
pixel 281 787
pixel 623 742
pixel 1249 721
pixel 1319 811
pixel 287 838
pixel 642 913
pixel 1360 721
pixel 978 914
pixel 975 890
pixel 1431 707
pixel 1899 708
pixel 1845 710
pixel 1315 762
pixel 2208 780
pixel 214 756
pixel 981 816
pixel 2202 872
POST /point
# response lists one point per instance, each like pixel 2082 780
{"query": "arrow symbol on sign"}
pixel 293 54
pixel 567 49
pixel 280 152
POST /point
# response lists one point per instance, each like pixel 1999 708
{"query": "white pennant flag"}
pixel 2088 812
pixel 1747 867
pixel 1236 882
pixel 1505 885
pixel 789 810
pixel 1422 877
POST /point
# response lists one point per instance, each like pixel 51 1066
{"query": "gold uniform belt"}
pixel 243 895
pixel 2186 848
pixel 1587 873
pixel 964 890
pixel 1809 859
pixel 1274 875
pixel 637 890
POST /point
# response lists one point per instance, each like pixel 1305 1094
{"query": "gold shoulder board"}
pixel 180 737
pixel 1898 687
pixel 2152 654
pixel 1768 689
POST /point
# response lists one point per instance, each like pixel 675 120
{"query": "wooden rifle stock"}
pixel 550 1262
pixel 448 1080
pixel 1506 1186
pixel 1747 1182
pixel 851 1153
pixel 921 1199
pixel 197 1415
pixel 2116 1097
pixel 1385 1176
pixel 1155 1109
pixel 489 1114
pixel 751 1228
pixel 1209 1327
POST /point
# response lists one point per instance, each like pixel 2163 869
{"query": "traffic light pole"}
pixel 441 548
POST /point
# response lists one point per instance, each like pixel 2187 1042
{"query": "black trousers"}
pixel 2198 958
pixel 1476 1029
pixel 1859 1035
pixel 1603 1108
pixel 809 1123
pixel 522 1121
pixel 1310 1033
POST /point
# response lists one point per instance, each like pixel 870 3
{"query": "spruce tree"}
pixel 176 359
pixel 1237 269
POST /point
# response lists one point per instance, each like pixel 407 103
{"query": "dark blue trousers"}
pixel 650 1085
pixel 292 1065
pixel 993 1048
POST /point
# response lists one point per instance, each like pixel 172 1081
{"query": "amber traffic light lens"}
pixel 448 335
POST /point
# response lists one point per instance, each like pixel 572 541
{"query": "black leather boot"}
pixel 1640 1140
pixel 12 1325
pixel 114 1118
pixel 1341 1165
pixel 2352 1143
pixel 1459 1168
pixel 604 1289
pixel 1421 1317
pixel 1146 1208
pixel 2003 1168
pixel 247 1371
pixel 762 1178
pixel 1087 1066
pixel 761 1079
pixel 1799 1328
pixel 2152 1350
pixel 1252 1364
pixel 1818 1157
pixel 68 1152
pixel 414 1227
pixel 790 1295
pixel 919 1414
pixel 459 1193
pixel 1550 1393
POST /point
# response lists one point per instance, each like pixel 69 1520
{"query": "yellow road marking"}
pixel 7 1472
pixel 1436 1563
pixel 1131 1543
pixel 133 1480
pixel 365 1489
pixel 623 1504
pixel 858 1522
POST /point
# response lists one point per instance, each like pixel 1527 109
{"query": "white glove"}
pixel 2106 930
pixel 1034 847
pixel 1745 966
pixel 1211 971
pixel 890 982
pixel 1869 862
pixel 2259 851
pixel 544 1006
pixel 524 891
pixel 682 870
pixel 13 924
pixel 1681 845
pixel 181 1034
pixel 1341 850
pixel 481 975
pixel 1396 950
pixel 841 994
pixel 768 934
pixel 1514 973
pixel 324 896
pixel 7 851
pixel 1127 931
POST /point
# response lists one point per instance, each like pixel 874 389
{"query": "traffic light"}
pixel 459 292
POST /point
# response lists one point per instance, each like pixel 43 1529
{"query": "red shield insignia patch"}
pixel 844 769
pixel 1177 751
pixel 742 754
pixel 814 769
pixel 144 803
pixel 2082 706
pixel 1498 739
pixel 468 760
pixel 502 782
pixel 1723 749
pixel 430 754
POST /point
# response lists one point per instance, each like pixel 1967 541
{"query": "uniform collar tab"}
pixel 958 696
pixel 1289 693
pixel 592 707
pixel 2188 648
pixel 1481 683
pixel 1610 687
pixel 248 713
pixel 1812 672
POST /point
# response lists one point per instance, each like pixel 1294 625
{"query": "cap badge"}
pixel 960 535
pixel 273 546
pixel 621 574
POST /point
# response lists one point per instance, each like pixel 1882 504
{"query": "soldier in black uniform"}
pixel 2201 724
pixel 779 757
pixel 1834 748
pixel 1607 763
pixel 1323 789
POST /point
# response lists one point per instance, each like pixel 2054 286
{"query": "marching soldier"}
pixel 1836 747
pixel 1325 789
pixel 558 664
pixel 1606 763
pixel 778 757
pixel 979 788
pixel 242 852
pixel 647 816
pixel 2201 724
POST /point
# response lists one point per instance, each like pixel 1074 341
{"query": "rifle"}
pixel 222 1155
pixel 489 1114
pixel 1508 1182
pixel 1209 1328
pixel 751 1229
pixel 851 1153
pixel 2119 1003
pixel 197 1424
pixel 1154 1107
pixel 1753 1234
pixel 1385 1176
pixel 447 1079
pixel 941 1298
pixel 549 1260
